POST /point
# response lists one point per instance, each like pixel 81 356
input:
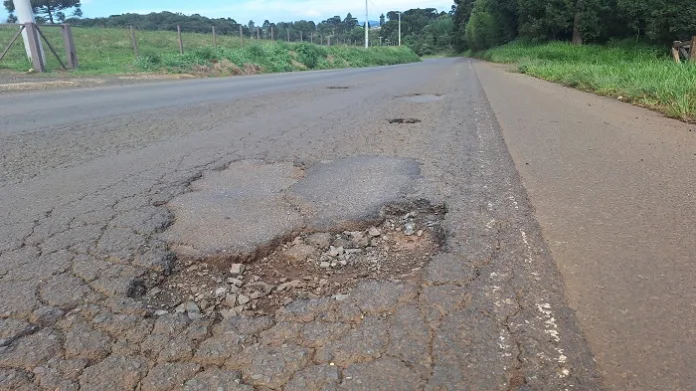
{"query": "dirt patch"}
pixel 310 265
pixel 403 121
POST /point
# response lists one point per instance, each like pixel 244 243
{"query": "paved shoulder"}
pixel 613 189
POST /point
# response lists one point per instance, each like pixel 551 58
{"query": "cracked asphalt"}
pixel 89 183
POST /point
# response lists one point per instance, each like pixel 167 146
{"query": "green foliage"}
pixel 109 51
pixel 483 30
pixel 485 22
pixel 639 73
pixel 50 10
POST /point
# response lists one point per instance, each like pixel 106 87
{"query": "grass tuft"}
pixel 640 74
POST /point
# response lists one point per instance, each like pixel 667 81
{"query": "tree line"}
pixel 426 31
pixel 481 24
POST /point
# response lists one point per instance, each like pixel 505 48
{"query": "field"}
pixel 110 51
pixel 640 74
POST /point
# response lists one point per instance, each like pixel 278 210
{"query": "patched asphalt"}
pixel 100 205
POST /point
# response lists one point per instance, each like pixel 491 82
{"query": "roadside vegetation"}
pixel 638 73
pixel 110 51
pixel 618 48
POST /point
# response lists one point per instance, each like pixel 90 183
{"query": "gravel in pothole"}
pixel 310 265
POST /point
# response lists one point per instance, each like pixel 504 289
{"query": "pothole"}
pixel 421 98
pixel 404 121
pixel 307 265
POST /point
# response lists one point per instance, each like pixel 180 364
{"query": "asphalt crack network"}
pixel 95 311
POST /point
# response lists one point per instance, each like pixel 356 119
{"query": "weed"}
pixel 641 74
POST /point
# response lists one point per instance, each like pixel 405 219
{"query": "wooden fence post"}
pixel 34 46
pixel 288 35
pixel 241 34
pixel 693 49
pixel 69 44
pixel 135 42
pixel 258 34
pixel 675 54
pixel 214 39
pixel 181 41
pixel 301 37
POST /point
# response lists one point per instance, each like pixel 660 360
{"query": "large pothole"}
pixel 309 265
pixel 257 235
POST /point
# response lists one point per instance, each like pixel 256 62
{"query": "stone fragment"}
pixel 237 269
pixel 409 229
pixel 299 252
pixel 374 232
pixel 320 240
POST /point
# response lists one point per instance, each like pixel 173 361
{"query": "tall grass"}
pixel 110 51
pixel 641 74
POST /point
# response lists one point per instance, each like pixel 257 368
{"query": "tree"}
pixel 381 20
pixel 11 18
pixel 48 9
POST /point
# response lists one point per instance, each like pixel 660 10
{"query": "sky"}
pixel 257 10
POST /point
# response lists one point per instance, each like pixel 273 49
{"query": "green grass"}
pixel 110 51
pixel 640 74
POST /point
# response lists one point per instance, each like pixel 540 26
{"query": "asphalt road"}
pixel 102 187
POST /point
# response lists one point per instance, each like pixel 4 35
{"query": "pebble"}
pixel 235 281
pixel 191 307
pixel 333 252
pixel 237 269
pixel 231 300
pixel 334 263
pixel 291 284
pixel 374 232
pixel 228 313
pixel 419 233
pixel 325 265
pixel 241 299
pixel 409 229
pixel 180 309
pixel 343 262
pixel 340 297
pixel 161 312
pixel 219 292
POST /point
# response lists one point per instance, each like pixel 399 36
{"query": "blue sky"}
pixel 257 10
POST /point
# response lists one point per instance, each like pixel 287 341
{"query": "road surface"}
pixel 433 226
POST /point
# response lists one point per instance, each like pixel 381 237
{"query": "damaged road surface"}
pixel 274 233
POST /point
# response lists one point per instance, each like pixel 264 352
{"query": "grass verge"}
pixel 104 51
pixel 640 74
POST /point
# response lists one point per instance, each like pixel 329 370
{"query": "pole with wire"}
pixel 367 27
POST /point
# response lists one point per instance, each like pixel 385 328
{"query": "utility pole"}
pixel 399 28
pixel 25 14
pixel 367 26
